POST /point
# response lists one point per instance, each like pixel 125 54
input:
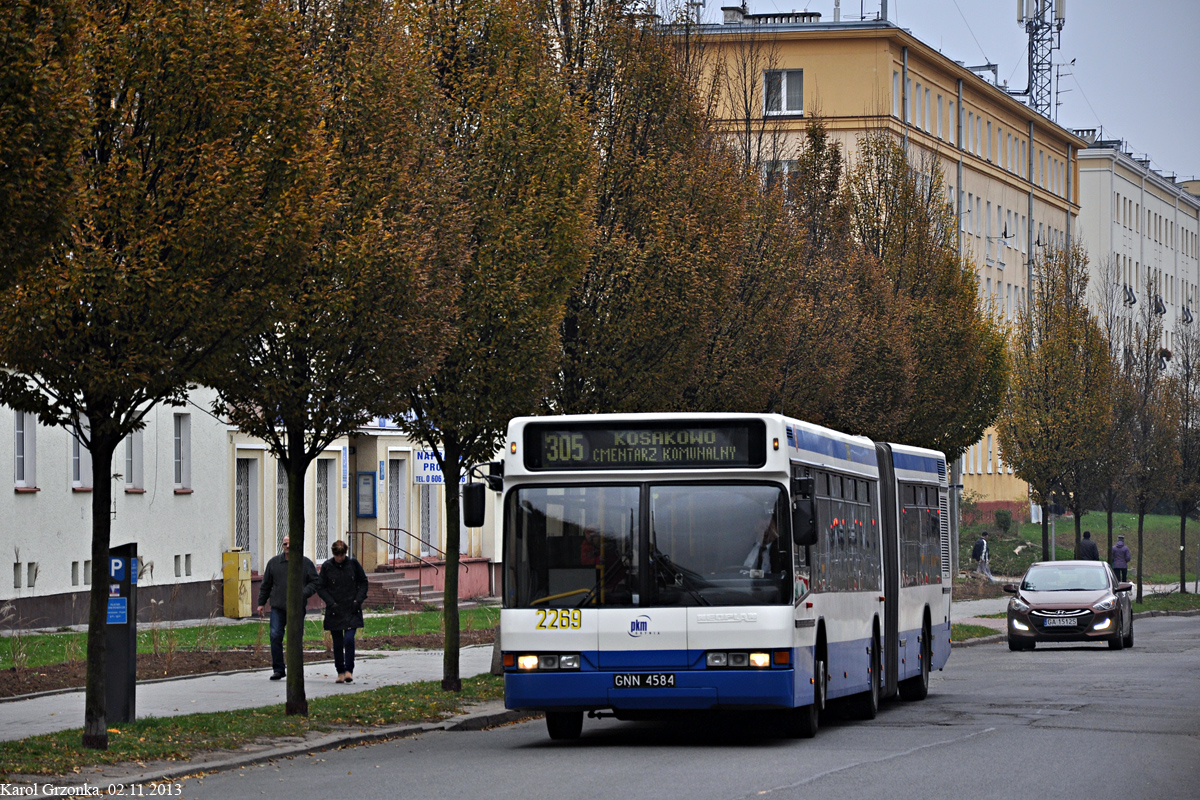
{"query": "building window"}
pixel 25 436
pixel 87 573
pixel 183 451
pixel 988 145
pixel 74 573
pixel 178 566
pixel 17 575
pixel 952 121
pixel 81 462
pixel 928 109
pixel 133 462
pixel 326 514
pixel 783 91
pixel 187 565
pixel 989 454
pixel 281 505
pixel 939 116
pixel 895 94
pixel 32 570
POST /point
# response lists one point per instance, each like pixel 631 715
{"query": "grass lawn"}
pixel 1160 537
pixel 960 633
pixel 56 648
pixel 177 738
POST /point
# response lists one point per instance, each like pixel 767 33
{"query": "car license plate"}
pixel 644 680
pixel 1060 622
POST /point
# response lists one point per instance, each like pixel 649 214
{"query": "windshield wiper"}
pixel 679 576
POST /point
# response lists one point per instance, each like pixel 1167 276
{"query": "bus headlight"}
pixel 760 660
pixel 568 662
pixel 717 660
pixel 527 662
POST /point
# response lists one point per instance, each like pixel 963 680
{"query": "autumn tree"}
pixel 899 215
pixel 669 218
pixel 1041 410
pixel 520 143
pixel 42 110
pixel 366 311
pixel 191 188
pixel 1085 381
pixel 1153 461
pixel 1184 389
pixel 1115 323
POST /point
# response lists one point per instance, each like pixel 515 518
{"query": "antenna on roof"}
pixel 1043 21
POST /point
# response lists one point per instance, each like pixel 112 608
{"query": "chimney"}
pixel 734 15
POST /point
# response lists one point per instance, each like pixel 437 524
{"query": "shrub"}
pixel 1003 520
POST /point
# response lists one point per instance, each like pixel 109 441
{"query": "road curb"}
pixel 487 717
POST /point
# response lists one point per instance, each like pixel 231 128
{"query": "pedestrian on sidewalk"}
pixel 979 554
pixel 274 588
pixel 1087 548
pixel 1120 559
pixel 343 587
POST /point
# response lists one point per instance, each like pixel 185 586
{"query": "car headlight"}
pixel 1107 604
pixel 1018 605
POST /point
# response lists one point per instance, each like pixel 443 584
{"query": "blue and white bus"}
pixel 661 562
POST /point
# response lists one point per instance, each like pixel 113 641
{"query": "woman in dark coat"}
pixel 343 587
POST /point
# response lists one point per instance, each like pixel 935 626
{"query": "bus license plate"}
pixel 1060 622
pixel 644 680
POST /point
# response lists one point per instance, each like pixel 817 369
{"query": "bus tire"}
pixel 866 705
pixel 564 725
pixel 917 687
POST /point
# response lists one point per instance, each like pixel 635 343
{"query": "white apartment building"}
pixel 1141 228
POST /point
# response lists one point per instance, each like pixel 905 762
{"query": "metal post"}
pixel 1053 555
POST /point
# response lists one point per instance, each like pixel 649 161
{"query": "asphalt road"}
pixel 1059 722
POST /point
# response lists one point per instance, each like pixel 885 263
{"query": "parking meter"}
pixel 121 634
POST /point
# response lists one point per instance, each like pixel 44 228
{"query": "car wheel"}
pixel 1117 642
pixel 867 703
pixel 917 688
pixel 1015 645
pixel 1129 639
pixel 564 725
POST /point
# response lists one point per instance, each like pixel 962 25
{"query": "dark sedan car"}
pixel 1069 601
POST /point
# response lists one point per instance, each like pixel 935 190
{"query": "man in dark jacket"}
pixel 274 588
pixel 343 587
pixel 979 554
pixel 1120 559
pixel 1087 548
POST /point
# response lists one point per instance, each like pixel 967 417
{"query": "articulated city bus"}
pixel 670 562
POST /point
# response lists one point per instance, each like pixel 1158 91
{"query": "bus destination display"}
pixel 646 446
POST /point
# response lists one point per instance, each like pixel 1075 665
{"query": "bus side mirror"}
pixel 474 504
pixel 804 512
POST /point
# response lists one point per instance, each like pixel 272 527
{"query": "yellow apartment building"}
pixel 1012 174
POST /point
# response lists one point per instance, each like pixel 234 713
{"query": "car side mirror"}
pixel 474 504
pixel 1124 587
pixel 804 512
pixel 1011 588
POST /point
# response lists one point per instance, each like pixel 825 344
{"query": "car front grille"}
pixel 1082 616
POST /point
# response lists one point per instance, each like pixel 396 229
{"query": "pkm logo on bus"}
pixel 641 627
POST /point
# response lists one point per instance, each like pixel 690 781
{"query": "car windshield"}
pixel 1074 578
pixel 708 545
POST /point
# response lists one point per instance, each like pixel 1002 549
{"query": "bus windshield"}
pixel 708 545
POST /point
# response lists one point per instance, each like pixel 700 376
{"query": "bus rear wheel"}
pixel 867 703
pixel 564 725
pixel 917 687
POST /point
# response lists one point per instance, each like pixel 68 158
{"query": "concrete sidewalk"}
pixel 205 693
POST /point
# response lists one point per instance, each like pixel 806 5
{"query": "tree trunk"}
pixel 1183 551
pixel 1141 518
pixel 1045 531
pixel 451 471
pixel 95 709
pixel 1108 510
pixel 293 656
pixel 1079 528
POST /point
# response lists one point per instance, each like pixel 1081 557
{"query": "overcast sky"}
pixel 1136 71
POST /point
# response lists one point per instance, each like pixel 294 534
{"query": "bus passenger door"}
pixel 891 560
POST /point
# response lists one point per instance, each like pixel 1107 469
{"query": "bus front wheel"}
pixel 564 725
